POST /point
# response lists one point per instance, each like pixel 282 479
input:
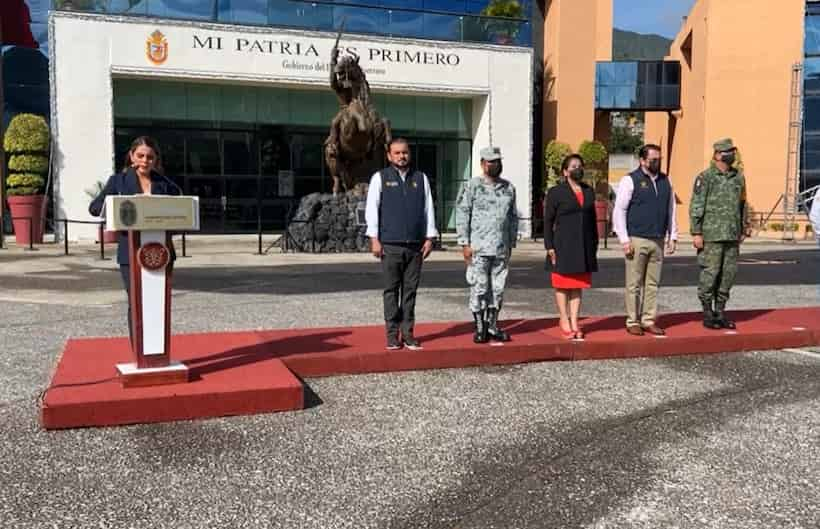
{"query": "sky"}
pixel 661 17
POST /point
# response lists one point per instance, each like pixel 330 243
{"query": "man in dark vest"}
pixel 401 226
pixel 644 220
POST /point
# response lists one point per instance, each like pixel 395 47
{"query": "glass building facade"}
pixel 810 145
pixel 637 85
pixel 250 152
pixel 456 20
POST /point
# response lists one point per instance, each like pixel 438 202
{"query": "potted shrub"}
pixel 503 31
pixel 27 143
pixel 595 157
pixel 554 155
pixel 109 236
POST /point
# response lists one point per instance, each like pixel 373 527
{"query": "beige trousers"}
pixel 643 276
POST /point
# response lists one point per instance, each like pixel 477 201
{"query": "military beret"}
pixel 724 144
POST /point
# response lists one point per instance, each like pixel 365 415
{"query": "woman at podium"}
pixel 142 174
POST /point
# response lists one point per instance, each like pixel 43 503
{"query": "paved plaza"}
pixel 721 441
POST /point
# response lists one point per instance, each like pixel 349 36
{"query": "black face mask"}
pixel 577 174
pixel 654 166
pixel 728 158
pixel 494 170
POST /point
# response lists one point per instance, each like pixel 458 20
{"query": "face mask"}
pixel 654 166
pixel 494 170
pixel 729 158
pixel 577 174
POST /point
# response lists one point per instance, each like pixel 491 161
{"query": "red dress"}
pixel 573 281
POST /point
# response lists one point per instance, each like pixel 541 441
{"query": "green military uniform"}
pixel 487 222
pixel 718 212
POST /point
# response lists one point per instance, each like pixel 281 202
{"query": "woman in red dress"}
pixel 571 241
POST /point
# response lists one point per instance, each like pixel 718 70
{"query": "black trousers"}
pixel 401 264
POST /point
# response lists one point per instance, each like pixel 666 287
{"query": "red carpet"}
pixel 240 373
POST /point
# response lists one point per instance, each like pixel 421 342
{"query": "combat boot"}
pixel 480 335
pixel 492 327
pixel 720 316
pixel 709 316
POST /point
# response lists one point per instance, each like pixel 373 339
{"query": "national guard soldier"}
pixel 487 226
pixel 719 223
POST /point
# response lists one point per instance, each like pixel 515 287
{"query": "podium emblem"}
pixel 154 256
pixel 128 213
pixel 156 47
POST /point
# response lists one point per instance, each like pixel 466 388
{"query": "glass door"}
pixel 240 168
pixel 205 179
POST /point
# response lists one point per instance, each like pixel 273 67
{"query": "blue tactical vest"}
pixel 648 213
pixel 401 211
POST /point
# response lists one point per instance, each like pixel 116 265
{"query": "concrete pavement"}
pixel 723 441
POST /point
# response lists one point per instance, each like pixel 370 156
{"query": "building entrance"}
pixel 253 178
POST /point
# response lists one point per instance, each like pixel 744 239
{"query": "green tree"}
pixel 595 160
pixel 554 155
pixel 624 141
pixel 495 24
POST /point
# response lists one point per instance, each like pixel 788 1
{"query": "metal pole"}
pixel 183 245
pixel 65 235
pixel 259 228
pixel 102 242
pixel 30 234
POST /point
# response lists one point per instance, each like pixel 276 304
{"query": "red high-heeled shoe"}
pixel 567 335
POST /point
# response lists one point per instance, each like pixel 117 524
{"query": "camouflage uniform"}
pixel 487 221
pixel 719 213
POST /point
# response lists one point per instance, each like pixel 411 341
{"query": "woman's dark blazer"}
pixel 571 230
pixel 126 183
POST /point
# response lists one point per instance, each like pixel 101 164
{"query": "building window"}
pixel 250 153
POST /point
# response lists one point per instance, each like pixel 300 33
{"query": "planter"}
pixel 27 218
pixel 601 217
pixel 109 237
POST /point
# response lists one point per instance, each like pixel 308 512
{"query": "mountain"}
pixel 628 45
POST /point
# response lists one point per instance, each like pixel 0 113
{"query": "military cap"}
pixel 724 144
pixel 491 153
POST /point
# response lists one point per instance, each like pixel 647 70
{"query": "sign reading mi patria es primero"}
pixel 296 49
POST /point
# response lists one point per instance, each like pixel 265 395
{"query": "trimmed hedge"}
pixel 27 133
pixel 25 180
pixel 28 163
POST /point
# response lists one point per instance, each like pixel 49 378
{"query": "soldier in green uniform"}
pixel 718 217
pixel 487 227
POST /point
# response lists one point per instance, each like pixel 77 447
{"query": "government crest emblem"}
pixel 156 47
pixel 128 213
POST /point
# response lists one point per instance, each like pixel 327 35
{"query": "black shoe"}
pixel 720 316
pixel 492 330
pixel 709 316
pixel 480 335
pixel 393 343
pixel 411 343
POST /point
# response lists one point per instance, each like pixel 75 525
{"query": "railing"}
pixel 325 16
pixel 101 233
pixel 30 223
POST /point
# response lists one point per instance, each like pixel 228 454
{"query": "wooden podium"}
pixel 149 219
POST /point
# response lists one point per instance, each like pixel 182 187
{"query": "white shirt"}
pixel 623 197
pixel 814 214
pixel 374 197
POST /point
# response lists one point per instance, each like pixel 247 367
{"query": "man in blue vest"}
pixel 401 226
pixel 644 220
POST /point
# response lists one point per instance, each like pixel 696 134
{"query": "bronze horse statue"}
pixel 357 132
